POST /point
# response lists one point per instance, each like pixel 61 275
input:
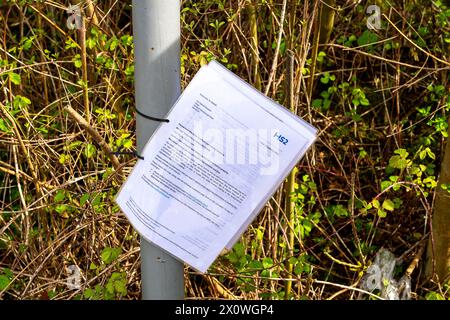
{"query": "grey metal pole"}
pixel 156 28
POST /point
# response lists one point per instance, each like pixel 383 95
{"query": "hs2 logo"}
pixel 280 138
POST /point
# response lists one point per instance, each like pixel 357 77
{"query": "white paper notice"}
pixel 208 172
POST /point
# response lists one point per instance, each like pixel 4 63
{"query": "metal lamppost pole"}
pixel 156 29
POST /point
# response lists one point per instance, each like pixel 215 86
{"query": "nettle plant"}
pixel 211 46
pixel 305 199
pixel 116 286
pixel 248 258
pixel 349 95
pixel 416 173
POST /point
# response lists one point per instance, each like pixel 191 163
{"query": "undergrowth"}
pixel 379 98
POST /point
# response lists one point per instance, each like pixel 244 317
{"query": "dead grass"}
pixel 42 235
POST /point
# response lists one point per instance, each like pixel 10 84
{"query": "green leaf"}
pixel 434 296
pixel 127 40
pixel 21 102
pixel 364 102
pixel 114 43
pixel 51 294
pixel 120 287
pixel 4 282
pixel 8 273
pixel 96 199
pixel 4 126
pixel 340 211
pixel 422 154
pixel 61 209
pixel 317 103
pixel 73 145
pixel 117 284
pixel 90 150
pixel 398 162
pixel 84 198
pixel 60 196
pixel 267 263
pixel 109 255
pixel 376 204
pixel 88 293
pixel 367 37
pixel 381 213
pixel 71 44
pixel 110 287
pixel 385 184
pixel 388 205
pixel 127 143
pixel 430 153
pixel 430 182
pixel 90 43
pixel 77 61
pixel 62 158
pixel 321 56
pixel 15 78
pixel 255 265
pixel 402 153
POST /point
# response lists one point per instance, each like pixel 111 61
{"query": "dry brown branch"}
pixel 95 135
